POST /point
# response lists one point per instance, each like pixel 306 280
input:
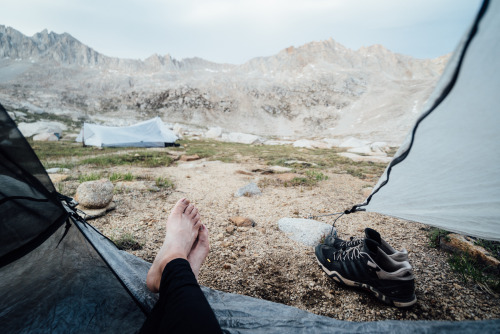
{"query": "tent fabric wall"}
pixel 150 133
pixel 447 173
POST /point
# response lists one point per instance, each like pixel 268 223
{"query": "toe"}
pixel 180 206
pixel 193 213
pixel 189 209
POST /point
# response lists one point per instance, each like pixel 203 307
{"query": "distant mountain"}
pixel 320 89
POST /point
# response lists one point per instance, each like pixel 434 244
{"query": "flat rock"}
pixel 95 194
pixel 30 129
pixel 250 189
pixel 306 231
pixel 353 142
pixel 280 169
pixel 215 132
pixel 242 138
pixel 358 158
pixel 45 137
pixel 96 213
pixel 189 157
pixel 306 143
pixel 458 243
pixel 57 170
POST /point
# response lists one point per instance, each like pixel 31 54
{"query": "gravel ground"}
pixel 262 262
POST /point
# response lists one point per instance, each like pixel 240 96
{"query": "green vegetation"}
pixel 435 235
pixel 491 246
pixel 121 177
pixel 311 178
pixel 163 182
pixel 89 177
pixel 127 241
pixel 143 159
pixel 69 154
pixel 469 268
pixel 280 155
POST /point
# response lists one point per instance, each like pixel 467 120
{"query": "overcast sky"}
pixel 234 31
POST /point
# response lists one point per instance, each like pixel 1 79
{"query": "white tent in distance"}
pixel 150 133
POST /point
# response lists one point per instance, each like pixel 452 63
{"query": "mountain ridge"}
pixel 317 89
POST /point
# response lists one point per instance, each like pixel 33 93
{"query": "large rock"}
pixel 358 158
pixel 45 137
pixel 242 138
pixel 95 194
pixel 250 189
pixel 30 129
pixel 215 132
pixel 458 243
pixel 306 231
pixel 354 142
pixel 306 143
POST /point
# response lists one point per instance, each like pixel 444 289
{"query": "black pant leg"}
pixel 182 307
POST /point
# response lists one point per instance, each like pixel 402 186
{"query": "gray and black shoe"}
pixel 369 268
pixel 370 233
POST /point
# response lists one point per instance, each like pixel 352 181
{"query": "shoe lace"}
pixel 353 242
pixel 349 254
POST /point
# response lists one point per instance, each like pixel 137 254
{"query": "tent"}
pixel 60 275
pixel 150 133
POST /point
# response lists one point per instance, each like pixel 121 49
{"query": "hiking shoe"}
pixel 370 233
pixel 369 268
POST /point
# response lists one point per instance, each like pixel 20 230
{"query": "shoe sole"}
pixel 380 296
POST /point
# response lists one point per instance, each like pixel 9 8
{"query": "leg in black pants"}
pixel 182 307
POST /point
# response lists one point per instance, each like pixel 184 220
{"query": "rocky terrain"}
pixel 320 89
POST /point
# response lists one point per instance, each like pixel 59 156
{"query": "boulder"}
pixel 358 158
pixel 458 243
pixel 331 142
pixel 215 132
pixel 306 143
pixel 178 130
pixel 95 194
pixel 367 150
pixel 45 137
pixel 353 142
pixel 242 138
pixel 306 231
pixel 30 129
pixel 250 189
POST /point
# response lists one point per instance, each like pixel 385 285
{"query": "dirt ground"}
pixel 263 262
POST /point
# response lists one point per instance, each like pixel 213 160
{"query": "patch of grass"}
pixel 127 241
pixel 89 177
pixel 311 178
pixel 469 269
pixel 143 159
pixel 435 235
pixel 121 177
pixel 163 182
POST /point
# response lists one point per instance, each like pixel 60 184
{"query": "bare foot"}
pixel 183 224
pixel 200 250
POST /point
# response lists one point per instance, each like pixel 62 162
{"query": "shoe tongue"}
pixel 370 247
pixel 372 234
